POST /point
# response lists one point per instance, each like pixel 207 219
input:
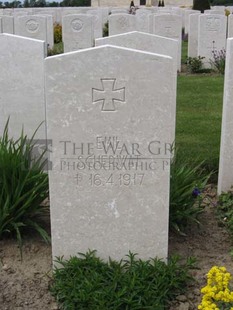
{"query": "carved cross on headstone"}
pixel 108 95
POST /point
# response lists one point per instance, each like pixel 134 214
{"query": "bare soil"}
pixel 25 284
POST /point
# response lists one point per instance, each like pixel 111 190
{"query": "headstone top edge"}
pixel 21 37
pixel 131 33
pixel 106 47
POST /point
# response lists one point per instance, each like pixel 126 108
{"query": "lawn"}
pixel 198 119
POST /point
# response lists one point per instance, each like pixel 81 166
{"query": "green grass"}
pixel 184 54
pixel 199 116
pixel 199 113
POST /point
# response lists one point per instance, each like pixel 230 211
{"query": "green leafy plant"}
pixel 186 185
pixel 87 282
pixel 23 188
pixel 57 30
pixel 57 49
pixel 225 210
pixel 195 64
pixel 105 30
pixel 219 60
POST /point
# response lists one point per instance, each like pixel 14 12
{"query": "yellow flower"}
pixel 217 289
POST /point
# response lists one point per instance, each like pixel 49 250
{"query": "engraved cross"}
pixel 108 95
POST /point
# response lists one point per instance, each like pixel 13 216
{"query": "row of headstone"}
pixel 102 13
pixel 207 34
pixel 110 114
pixel 166 25
pixel 38 27
pixel 111 118
pixel 78 29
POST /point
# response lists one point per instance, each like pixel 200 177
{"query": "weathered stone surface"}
pixel 193 35
pixel 8 24
pixel 109 187
pixel 49 29
pixel 121 23
pixel 230 26
pixel 142 20
pixel 148 43
pixel 31 26
pixel 225 176
pixel 187 13
pixel 22 85
pixel 211 36
pixel 77 32
pixel 169 26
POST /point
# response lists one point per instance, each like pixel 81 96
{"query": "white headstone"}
pixel 219 7
pixel 8 12
pixel 97 23
pixel 164 10
pixel 109 123
pixel 77 32
pixel 49 30
pixel 193 35
pixel 230 8
pixel 142 20
pixel 105 14
pixel 177 11
pixel 214 12
pixel 119 11
pixel 71 11
pixel 211 36
pixel 225 175
pixel 186 18
pixel 20 13
pixel 148 43
pixel 32 26
pixel 230 26
pixel 169 26
pixel 47 12
pixel 121 23
pixel 7 24
pixel 22 85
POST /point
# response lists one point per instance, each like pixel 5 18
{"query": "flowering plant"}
pixel 219 60
pixel 217 294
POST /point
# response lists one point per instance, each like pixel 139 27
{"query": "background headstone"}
pixel 169 26
pixel 211 36
pixel 49 30
pixel 142 20
pixel 121 23
pixel 77 32
pixel 97 23
pixel 31 26
pixel 22 85
pixel 230 26
pixel 8 24
pixel 193 35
